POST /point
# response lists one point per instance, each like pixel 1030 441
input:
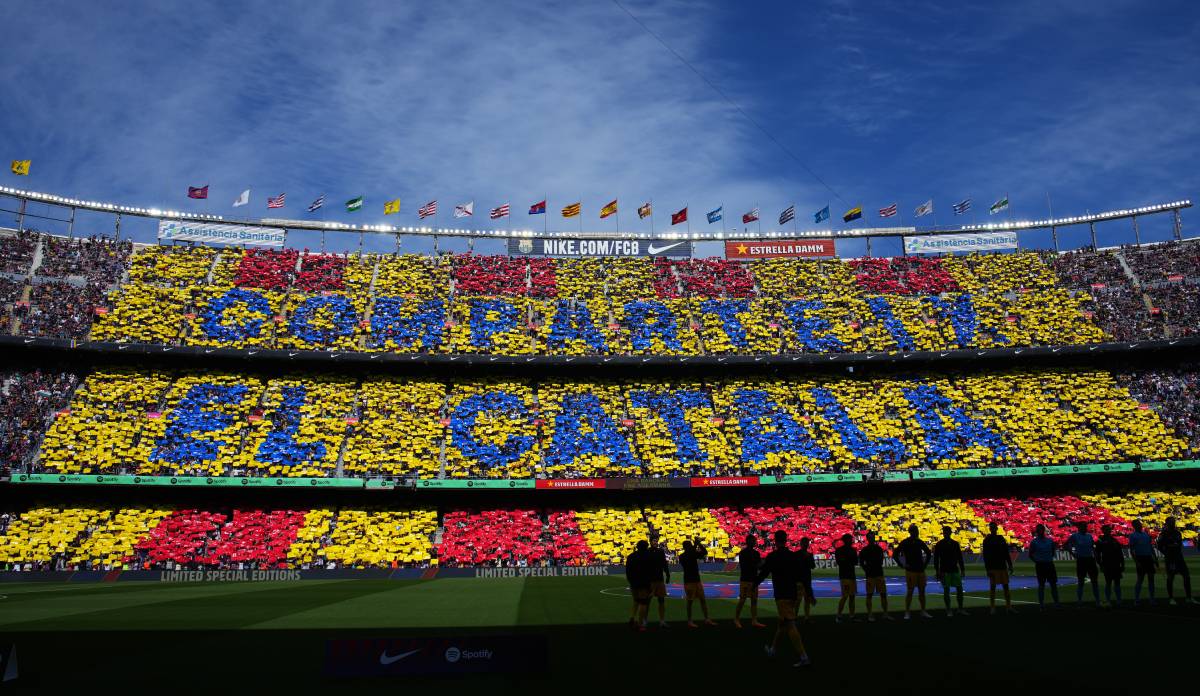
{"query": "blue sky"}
pixel 1093 103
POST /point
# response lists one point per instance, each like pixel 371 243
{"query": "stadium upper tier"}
pixel 501 305
pixel 166 537
pixel 225 424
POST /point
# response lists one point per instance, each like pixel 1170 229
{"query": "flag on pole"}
pixel 276 202
pixel 999 206
pixel 644 211
pixel 788 214
pixel 427 210
pixel 21 167
pixel 962 206
pixel 465 210
pixel 391 207
pixel 887 212
pixel 924 209
pixel 538 208
pixel 854 213
pixel 679 217
pixel 198 191
pixel 317 204
pixel 354 205
pixel 610 209
pixel 572 210
pixel 242 199
pixel 500 212
pixel 818 217
pixel 715 215
pixel 750 217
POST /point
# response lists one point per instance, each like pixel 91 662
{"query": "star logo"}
pixel 742 248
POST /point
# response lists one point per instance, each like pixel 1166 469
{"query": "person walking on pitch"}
pixel 693 589
pixel 1170 544
pixel 783 567
pixel 1112 564
pixel 749 559
pixel 1145 563
pixel 1041 552
pixel 916 555
pixel 950 568
pixel 660 575
pixel 1083 547
pixel 846 558
pixel 871 559
pixel 998 563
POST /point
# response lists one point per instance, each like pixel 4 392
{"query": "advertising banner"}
pixel 407 657
pixel 724 481
pixel 896 476
pixel 946 243
pixel 780 248
pixel 225 481
pixel 1171 465
pixel 211 233
pixel 593 248
pixel 810 478
pixel 474 483
pixel 570 484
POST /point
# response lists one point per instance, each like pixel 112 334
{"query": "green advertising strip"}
pixel 897 476
pixel 381 484
pixel 475 483
pixel 810 478
pixel 1171 465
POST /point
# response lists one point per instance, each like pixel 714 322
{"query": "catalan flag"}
pixel 853 214
pixel 21 167
pixel 572 210
pixel 608 210
pixel 391 207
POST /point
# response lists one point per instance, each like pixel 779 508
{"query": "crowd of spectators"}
pixel 17 251
pixel 49 538
pixel 98 260
pixel 28 404
pixel 221 423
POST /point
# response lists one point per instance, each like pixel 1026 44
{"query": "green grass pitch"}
pixel 206 637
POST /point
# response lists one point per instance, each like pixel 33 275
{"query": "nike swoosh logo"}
pixel 386 659
pixel 658 250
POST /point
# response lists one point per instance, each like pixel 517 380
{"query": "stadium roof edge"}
pixel 331 226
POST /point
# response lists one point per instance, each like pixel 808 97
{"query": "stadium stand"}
pixel 30 400
pixel 289 298
pixel 222 424
pixel 101 537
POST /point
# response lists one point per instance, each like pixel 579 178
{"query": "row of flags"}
pixel 392 207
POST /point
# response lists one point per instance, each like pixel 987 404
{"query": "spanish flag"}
pixel 391 207
pixel 572 210
pixel 610 209
pixel 21 167
pixel 852 214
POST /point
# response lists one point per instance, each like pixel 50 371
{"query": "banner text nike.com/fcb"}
pixel 587 248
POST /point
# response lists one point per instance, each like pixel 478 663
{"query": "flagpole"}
pixel 722 220
pixel 651 218
pixel 580 215
pixel 759 221
pixel 794 228
pixel 546 215
pixel 689 220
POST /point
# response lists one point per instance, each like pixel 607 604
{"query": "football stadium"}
pixel 308 446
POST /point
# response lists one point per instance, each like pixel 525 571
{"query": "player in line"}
pixel 846 558
pixel 1083 547
pixel 998 564
pixel 1112 564
pixel 1145 563
pixel 1170 544
pixel 749 560
pixel 693 589
pixel 783 566
pixel 950 568
pixel 1041 552
pixel 660 575
pixel 808 563
pixel 916 555
pixel 871 559
pixel 637 574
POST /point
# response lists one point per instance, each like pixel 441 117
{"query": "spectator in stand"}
pixel 17 250
pixel 30 399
